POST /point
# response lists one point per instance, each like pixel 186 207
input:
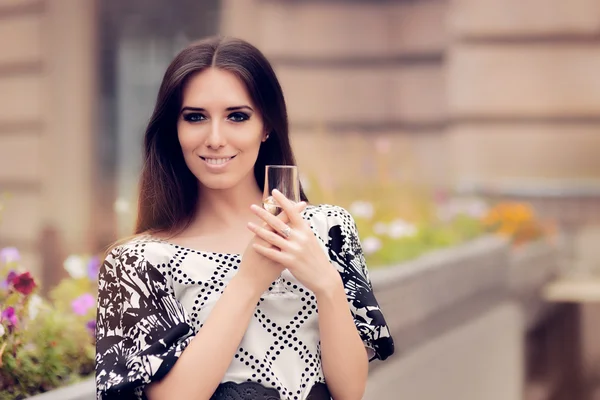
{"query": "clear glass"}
pixel 285 179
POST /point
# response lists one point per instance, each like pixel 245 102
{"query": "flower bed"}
pixel 401 223
pixel 48 343
pixel 45 343
pixel 518 222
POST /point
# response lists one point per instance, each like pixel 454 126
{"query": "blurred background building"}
pixel 495 98
pixel 469 92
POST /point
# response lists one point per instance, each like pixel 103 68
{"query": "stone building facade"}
pixel 460 90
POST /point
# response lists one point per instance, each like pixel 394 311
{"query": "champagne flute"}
pixel 285 179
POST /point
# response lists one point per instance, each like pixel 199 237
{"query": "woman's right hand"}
pixel 256 270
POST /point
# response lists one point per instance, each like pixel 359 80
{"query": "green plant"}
pixel 398 217
pixel 45 343
pixel 399 221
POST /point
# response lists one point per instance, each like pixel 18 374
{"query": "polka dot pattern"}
pixel 281 347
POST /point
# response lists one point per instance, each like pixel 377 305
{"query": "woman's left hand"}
pixel 295 246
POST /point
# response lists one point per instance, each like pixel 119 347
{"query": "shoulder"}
pixel 329 216
pixel 328 211
pixel 142 249
pixel 336 228
pixel 333 224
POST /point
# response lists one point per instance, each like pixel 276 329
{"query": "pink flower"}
pixel 10 315
pixel 91 326
pixel 12 274
pixel 83 303
pixel 24 283
pixel 9 279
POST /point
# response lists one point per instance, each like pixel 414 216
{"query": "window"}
pixel 138 39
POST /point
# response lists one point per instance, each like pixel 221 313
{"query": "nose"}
pixel 215 138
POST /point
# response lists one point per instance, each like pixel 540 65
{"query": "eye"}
pixel 193 117
pixel 238 117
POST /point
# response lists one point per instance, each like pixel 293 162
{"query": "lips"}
pixel 217 160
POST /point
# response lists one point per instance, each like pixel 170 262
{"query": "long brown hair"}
pixel 168 191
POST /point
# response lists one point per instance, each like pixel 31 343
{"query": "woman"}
pixel 185 308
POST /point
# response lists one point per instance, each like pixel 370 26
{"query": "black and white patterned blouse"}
pixel 154 296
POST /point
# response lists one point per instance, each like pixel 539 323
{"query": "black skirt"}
pixel 256 391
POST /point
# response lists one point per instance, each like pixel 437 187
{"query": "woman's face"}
pixel 219 129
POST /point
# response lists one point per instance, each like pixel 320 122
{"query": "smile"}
pixel 217 161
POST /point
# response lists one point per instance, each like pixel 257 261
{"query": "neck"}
pixel 227 208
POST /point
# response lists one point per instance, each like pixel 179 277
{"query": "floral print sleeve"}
pixel 141 328
pixel 346 253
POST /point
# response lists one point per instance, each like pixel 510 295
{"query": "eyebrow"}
pixel 234 108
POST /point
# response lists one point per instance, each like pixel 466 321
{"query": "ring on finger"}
pixel 287 231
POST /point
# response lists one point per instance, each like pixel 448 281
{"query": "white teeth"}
pixel 217 161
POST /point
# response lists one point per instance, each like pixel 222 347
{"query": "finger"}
pixel 298 207
pixel 288 207
pixel 272 254
pixel 268 236
pixel 277 224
